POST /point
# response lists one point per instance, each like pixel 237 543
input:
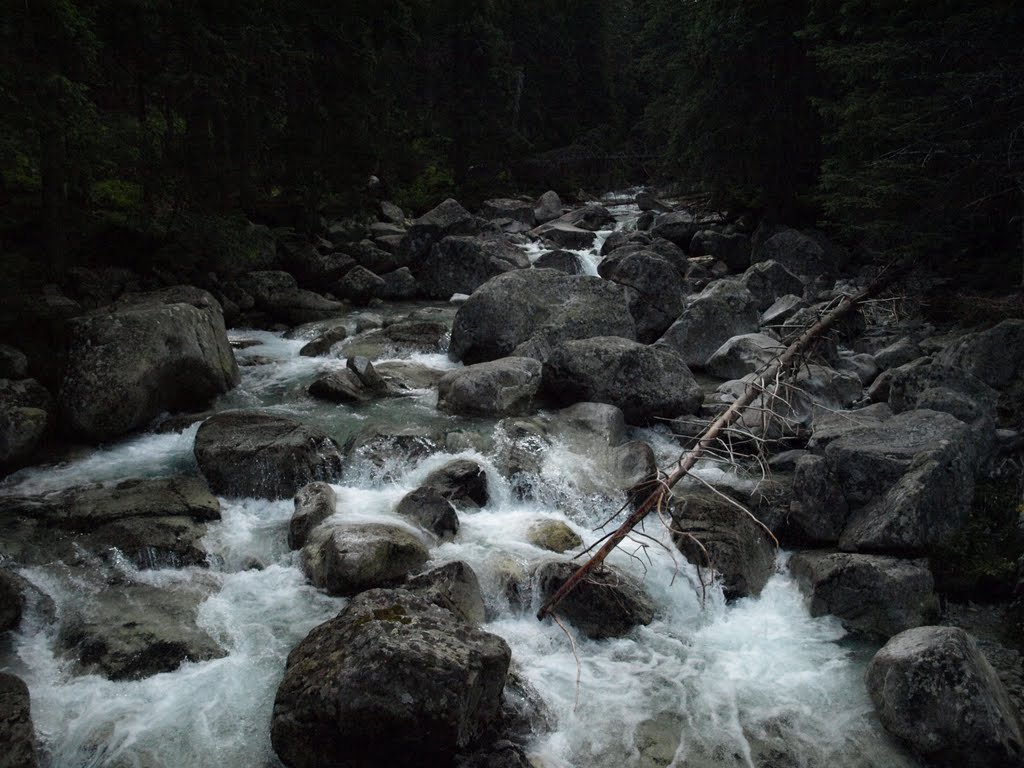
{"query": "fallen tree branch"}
pixel 762 384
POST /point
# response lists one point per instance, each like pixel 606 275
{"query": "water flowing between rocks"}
pixel 706 685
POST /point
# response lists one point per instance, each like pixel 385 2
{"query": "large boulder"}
pixel 533 310
pixel 548 207
pixel 266 455
pixel 165 351
pixel 645 382
pixel 934 690
pixel 505 387
pixel 16 731
pixel 606 604
pixel 732 249
pixel 798 253
pixel 392 680
pixel 909 481
pixel 463 264
pixel 678 227
pixel 454 587
pixel 353 557
pixel 995 356
pixel 12 599
pixel 718 535
pixel 744 354
pixel 430 510
pixel 722 310
pixel 563 261
pixel 768 281
pixel 654 288
pixel 873 594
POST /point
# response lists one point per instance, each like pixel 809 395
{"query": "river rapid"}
pixel 707 685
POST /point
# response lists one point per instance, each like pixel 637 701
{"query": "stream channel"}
pixel 757 682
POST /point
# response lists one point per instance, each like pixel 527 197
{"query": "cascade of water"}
pixel 705 685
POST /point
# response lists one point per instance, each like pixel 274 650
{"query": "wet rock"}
pixel 389 447
pixel 606 604
pixel 314 503
pixel 351 558
pixel 731 542
pixel 402 375
pixel 321 346
pixel 367 375
pixel 13 363
pixel 562 235
pixel 935 691
pixel 12 599
pixel 265 455
pixel 463 264
pixel 462 482
pixel 645 382
pixel 429 509
pixel 16 731
pixel 341 386
pixel 155 523
pixel 799 254
pixel 505 387
pixel 744 354
pixel 393 680
pixel 562 261
pixel 454 587
pixel 722 310
pixel 533 310
pixel 655 290
pixel 134 631
pixel 166 351
pixel 873 594
pixel 548 207
pixel 553 535
pixel 592 217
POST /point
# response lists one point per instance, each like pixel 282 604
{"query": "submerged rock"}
pixel 135 631
pixel 933 689
pixel 393 680
pixel 249 453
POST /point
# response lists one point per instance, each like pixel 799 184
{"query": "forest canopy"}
pixel 897 126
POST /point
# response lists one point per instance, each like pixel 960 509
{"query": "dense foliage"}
pixel 900 124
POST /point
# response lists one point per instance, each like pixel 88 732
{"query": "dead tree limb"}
pixel 773 374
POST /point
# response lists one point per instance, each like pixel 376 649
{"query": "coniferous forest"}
pixel 127 126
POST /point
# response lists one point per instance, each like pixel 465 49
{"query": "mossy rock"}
pixel 553 535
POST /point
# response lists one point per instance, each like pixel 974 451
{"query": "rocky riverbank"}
pixel 397 401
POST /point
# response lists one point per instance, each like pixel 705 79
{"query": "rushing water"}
pixel 706 685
